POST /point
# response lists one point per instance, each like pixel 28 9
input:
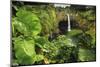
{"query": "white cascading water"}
pixel 69 25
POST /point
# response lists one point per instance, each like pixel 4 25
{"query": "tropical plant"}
pixel 25 51
pixel 60 50
pixel 37 39
pixel 26 23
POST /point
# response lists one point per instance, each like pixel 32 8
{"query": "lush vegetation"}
pixel 37 37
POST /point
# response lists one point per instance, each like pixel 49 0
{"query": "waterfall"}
pixel 69 25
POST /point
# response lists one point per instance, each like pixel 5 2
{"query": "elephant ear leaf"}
pixel 17 25
pixel 24 51
pixel 30 21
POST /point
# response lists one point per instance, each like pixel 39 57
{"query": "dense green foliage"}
pixel 86 54
pixel 34 40
pixel 25 50
pixel 26 23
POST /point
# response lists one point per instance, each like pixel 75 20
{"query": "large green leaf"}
pixel 19 26
pixel 28 21
pixel 24 51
